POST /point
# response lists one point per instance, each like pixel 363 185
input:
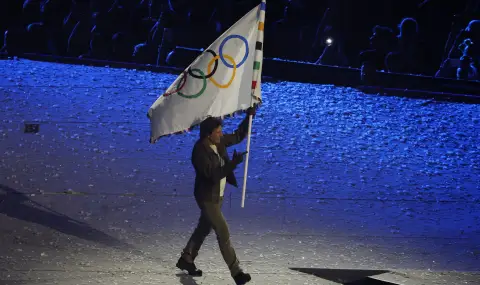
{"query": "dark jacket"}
pixel 208 171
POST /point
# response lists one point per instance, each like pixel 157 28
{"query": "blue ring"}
pixel 220 50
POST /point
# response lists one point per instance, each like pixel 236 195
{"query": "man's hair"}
pixel 208 125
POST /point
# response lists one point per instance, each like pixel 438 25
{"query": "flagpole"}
pixel 256 77
pixel 244 190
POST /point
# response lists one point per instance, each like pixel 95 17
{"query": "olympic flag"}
pixel 223 80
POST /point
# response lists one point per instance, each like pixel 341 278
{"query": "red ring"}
pixel 184 78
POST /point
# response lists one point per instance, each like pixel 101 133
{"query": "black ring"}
pixel 211 73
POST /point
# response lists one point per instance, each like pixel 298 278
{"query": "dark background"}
pixel 146 31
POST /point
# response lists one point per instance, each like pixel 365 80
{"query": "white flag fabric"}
pixel 224 79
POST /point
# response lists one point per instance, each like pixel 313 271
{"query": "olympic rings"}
pixel 215 59
pixel 201 75
pixel 210 74
pixel 220 50
pixel 200 92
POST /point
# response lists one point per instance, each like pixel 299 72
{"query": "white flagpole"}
pixel 244 190
pixel 250 118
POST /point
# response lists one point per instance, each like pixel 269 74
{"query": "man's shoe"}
pixel 242 278
pixel 190 267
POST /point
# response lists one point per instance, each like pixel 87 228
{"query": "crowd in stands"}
pixel 420 37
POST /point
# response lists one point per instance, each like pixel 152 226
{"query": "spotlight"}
pixel 329 41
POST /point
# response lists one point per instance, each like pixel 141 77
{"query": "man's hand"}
pixel 252 111
pixel 238 157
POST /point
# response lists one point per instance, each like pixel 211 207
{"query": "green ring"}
pixel 202 74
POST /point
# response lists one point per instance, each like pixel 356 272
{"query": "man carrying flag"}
pixel 223 80
pixel 213 170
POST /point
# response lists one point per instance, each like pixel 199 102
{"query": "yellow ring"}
pixel 232 61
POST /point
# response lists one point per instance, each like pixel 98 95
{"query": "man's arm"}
pixel 238 136
pixel 240 133
pixel 203 166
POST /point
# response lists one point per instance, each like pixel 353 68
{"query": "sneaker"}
pixel 242 278
pixel 190 267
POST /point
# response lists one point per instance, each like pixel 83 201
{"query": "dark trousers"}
pixel 211 217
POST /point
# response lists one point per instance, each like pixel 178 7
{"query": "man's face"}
pixel 216 135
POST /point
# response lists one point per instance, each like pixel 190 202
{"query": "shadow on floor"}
pixel 186 279
pixel 17 205
pixel 346 276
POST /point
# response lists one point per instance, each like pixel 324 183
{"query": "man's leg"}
pixel 190 252
pixel 202 230
pixel 213 213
